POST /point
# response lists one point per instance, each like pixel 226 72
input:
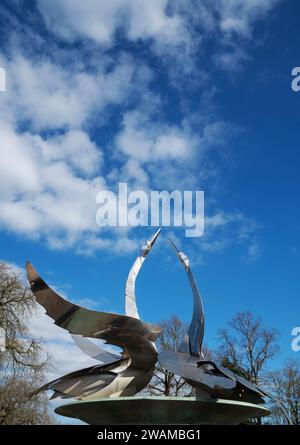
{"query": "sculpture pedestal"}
pixel 161 411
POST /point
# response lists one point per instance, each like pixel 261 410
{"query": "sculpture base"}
pixel 161 411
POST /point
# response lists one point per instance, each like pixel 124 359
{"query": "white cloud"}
pixel 169 25
pixel 237 22
pixel 225 229
pixel 232 60
pixel 24 157
pixel 41 326
pixel 169 156
pixel 75 148
pixel 148 20
pixel 253 251
pixel 99 20
pixel 239 15
pixel 42 188
pixel 51 172
pixel 17 168
pixel 144 141
pixel 49 96
pixel 133 173
pixel 166 20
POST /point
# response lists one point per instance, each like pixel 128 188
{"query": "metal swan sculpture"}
pixel 116 375
pixel 210 379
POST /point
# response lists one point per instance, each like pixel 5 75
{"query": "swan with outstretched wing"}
pixel 209 378
pixel 121 375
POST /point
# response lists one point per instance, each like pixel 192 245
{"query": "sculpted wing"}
pixel 99 353
pixel 186 366
pixel 82 321
pixel 207 374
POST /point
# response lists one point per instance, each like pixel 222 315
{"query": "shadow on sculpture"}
pixel 222 397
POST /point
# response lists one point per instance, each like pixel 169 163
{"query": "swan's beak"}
pixel 181 256
pixel 154 238
pixel 149 244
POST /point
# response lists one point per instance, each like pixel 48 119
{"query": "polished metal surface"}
pixel 124 376
pixel 130 297
pixel 82 321
pixel 100 353
pixel 127 373
pixel 193 340
pixel 97 352
pixel 163 410
pixel 209 378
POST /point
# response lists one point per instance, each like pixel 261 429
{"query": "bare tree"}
pixel 285 385
pixel 247 346
pixel 17 407
pixel 24 360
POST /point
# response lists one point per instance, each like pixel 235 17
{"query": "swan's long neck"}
pixel 130 297
pixel 192 342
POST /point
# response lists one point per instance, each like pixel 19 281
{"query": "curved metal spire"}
pixel 192 342
pixel 130 298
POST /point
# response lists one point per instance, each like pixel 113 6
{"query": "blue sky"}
pixel 162 95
